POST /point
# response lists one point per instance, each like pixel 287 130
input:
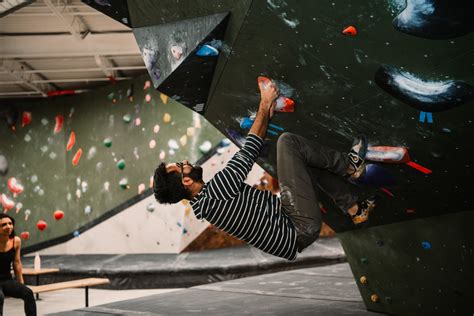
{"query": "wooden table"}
pixel 37 273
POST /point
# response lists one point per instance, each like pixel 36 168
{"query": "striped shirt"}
pixel 243 211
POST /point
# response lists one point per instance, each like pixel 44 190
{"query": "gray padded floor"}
pixel 328 290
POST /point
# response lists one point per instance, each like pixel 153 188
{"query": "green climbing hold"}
pixel 111 96
pixel 127 118
pixel 123 184
pixel 121 164
pixel 108 142
pixel 364 260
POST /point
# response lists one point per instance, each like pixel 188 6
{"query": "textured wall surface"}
pixel 123 131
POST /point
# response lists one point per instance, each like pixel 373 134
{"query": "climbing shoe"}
pixel 363 210
pixel 357 156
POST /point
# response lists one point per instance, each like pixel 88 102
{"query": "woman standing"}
pixel 10 246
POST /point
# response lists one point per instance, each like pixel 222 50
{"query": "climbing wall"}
pixel 69 163
pixel 400 72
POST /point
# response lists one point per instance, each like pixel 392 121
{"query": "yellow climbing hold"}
pixel 363 280
pixel 166 118
pixel 374 298
pixel 183 140
pixel 190 131
pixel 164 98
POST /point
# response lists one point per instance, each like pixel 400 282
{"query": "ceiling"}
pixel 54 45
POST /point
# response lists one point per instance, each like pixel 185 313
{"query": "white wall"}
pixel 168 229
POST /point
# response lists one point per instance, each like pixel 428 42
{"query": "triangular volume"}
pixel 181 57
pixel 116 9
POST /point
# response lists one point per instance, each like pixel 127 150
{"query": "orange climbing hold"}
pixel 71 141
pixel 350 30
pixel 77 157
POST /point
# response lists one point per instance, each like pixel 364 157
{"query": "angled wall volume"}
pixel 170 55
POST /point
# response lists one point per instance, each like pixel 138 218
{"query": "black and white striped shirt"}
pixel 243 211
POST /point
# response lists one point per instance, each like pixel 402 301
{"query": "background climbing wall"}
pixel 400 72
pixel 123 132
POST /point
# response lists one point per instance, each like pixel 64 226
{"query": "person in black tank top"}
pixel 10 256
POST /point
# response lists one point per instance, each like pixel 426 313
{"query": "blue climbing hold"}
pixel 207 50
pixel 426 245
pixel 76 233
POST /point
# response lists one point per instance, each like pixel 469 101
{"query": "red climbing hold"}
pixel 58 215
pixel 41 225
pixel 350 30
pixel 284 104
pixel 71 141
pixel 77 157
pixel 26 119
pixel 25 235
pixel 59 124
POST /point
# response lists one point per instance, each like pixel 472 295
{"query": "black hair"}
pixel 168 187
pixel 3 215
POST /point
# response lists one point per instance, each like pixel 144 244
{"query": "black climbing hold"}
pixel 440 19
pixel 380 243
pixel 426 96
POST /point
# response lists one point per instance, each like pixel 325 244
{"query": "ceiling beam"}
pixel 16 70
pixel 105 65
pixel 53 46
pixel 43 81
pixel 76 25
pixel 68 70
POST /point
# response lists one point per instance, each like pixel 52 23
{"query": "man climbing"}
pixel 281 226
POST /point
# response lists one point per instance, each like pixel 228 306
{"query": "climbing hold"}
pixel 177 52
pixel 225 142
pixel 376 175
pixel 419 167
pixel 76 233
pixel 426 245
pixel 207 50
pixel 6 202
pixel 152 144
pixel 205 147
pixel 58 215
pixel 166 118
pixel 146 85
pixel 374 298
pixel 148 98
pixel 15 187
pixel 388 299
pixel 138 121
pixel 127 118
pixel 108 142
pixel 123 183
pixel 121 164
pixel 423 95
pixel 27 214
pixel 141 188
pixel 26 119
pixel 150 207
pixel 350 30
pixel 388 154
pixel 111 96
pixel 77 157
pixel 363 280
pixel 3 165
pixel 71 141
pixel 130 93
pixel 25 235
pixel 284 104
pixel 41 225
pixel 410 211
pixel 156 129
pixel 59 123
pixel 87 209
pixel 380 243
pixel 164 98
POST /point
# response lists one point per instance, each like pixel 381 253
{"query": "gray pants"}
pixel 304 168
